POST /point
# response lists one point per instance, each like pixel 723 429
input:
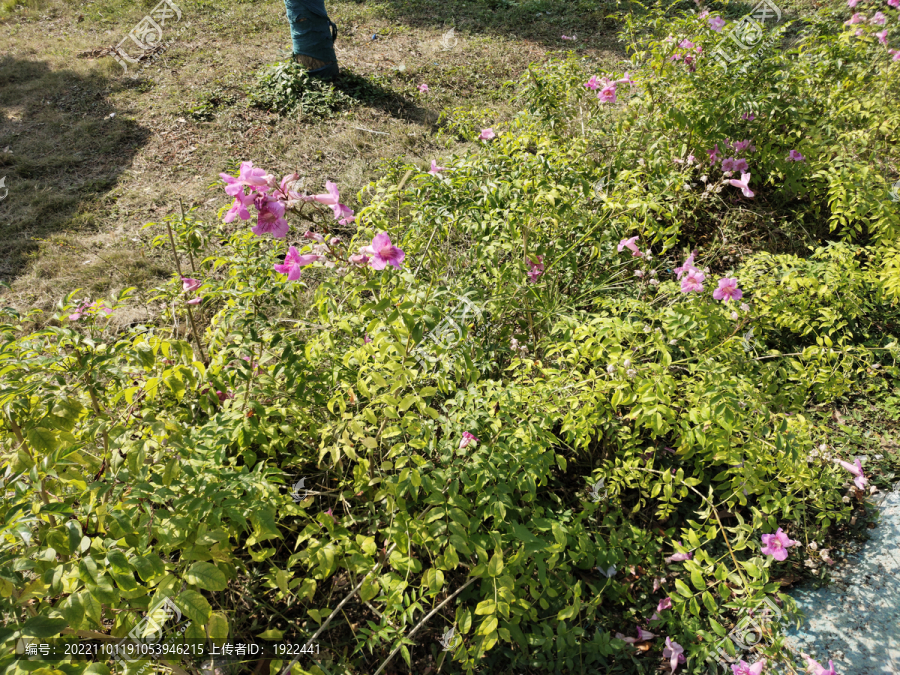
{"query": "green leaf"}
pixel 42 627
pixel 195 607
pixel 495 566
pixel 272 634
pixel 683 589
pixel 218 626
pixel 697 580
pixel 42 440
pixel 206 576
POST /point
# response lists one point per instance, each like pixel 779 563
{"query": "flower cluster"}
pixel 90 309
pixel 607 87
pixel 687 47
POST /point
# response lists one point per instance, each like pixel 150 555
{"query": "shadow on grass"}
pixel 60 152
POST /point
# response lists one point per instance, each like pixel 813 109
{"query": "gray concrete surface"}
pixel 856 621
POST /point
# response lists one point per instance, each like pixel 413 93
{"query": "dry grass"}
pixel 93 155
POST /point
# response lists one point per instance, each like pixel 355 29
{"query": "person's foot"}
pixel 317 68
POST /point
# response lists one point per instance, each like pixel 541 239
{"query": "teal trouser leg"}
pixel 313 34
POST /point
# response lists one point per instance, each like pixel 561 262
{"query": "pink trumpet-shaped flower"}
pixel 270 217
pixel 895 52
pixel 486 134
pixel 642 636
pixel 744 668
pixel 878 19
pixel 665 603
pixel 776 545
pixel 193 301
pixel 631 246
pixel 894 3
pixel 239 207
pixel 294 262
pixel 687 266
pixel 608 93
pixel 728 164
pixel 852 3
pixel 423 87
pixel 189 285
pixel 692 281
pixel 717 23
pixel 728 290
pixel 713 154
pixel 359 259
pixel 248 176
pixel 679 557
pixel 795 156
pixel 366 339
pixel 743 184
pixel 89 308
pixel 467 439
pixel 593 83
pixel 383 252
pixel 882 36
pixel 330 197
pixel 674 652
pixel 535 269
pixel 315 236
pixel 813 667
pixel 856 469
pixel 856 18
pixel 435 169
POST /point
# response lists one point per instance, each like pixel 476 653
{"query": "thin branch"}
pixel 343 602
pixel 424 621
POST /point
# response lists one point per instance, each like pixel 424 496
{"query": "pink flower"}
pixel 359 259
pixel 629 244
pixel 728 290
pixel 674 652
pixel 740 146
pixel 343 214
pixel 294 262
pixel 882 36
pixel 486 134
pixel 90 308
pixel 366 339
pixel 879 19
pixel 608 93
pixel 859 32
pixel 435 169
pixel 239 207
pixel 713 154
pixel 815 668
pixel 679 557
pixel 685 44
pixel 743 184
pixel 703 14
pixel 248 176
pixel 894 3
pixel 592 83
pixel 776 545
pixel 856 469
pixel 535 269
pixel 728 164
pixel 224 395
pixel 665 603
pixel 717 23
pixel 270 217
pixel 895 52
pixel 856 18
pixel 795 156
pixel 642 636
pixel 744 668
pixel 693 281
pixel 748 116
pixel 625 80
pixel 193 301
pixel 383 252
pixel 686 267
pixel 189 285
pixel 467 439
pixel 638 273
pixel 852 3
pixel 315 236
pixel 330 514
pixel 675 57
pixel 423 87
pixel 330 197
